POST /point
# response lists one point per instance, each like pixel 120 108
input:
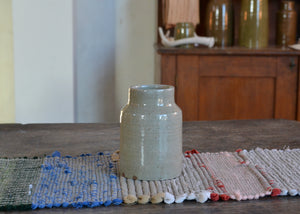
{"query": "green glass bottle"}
pixel 254 24
pixel 219 22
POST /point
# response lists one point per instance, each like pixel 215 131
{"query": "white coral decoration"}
pixel 170 42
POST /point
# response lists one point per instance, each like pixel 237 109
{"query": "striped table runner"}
pixel 93 180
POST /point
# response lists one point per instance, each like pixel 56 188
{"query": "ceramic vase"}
pixel 184 30
pixel 286 24
pixel 254 24
pixel 219 22
pixel 151 134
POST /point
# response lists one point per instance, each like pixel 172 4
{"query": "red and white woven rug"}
pixel 240 175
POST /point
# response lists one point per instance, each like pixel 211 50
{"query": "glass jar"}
pixel 219 22
pixel 184 30
pixel 286 24
pixel 254 24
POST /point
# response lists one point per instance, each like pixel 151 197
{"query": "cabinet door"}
pixel 236 87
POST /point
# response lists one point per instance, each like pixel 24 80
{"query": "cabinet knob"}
pixel 292 64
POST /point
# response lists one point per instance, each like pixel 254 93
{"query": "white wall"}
pixel 43 60
pixel 7 99
pixel 75 60
pixel 135 55
pixel 94 44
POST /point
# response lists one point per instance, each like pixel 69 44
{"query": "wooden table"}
pixel 18 140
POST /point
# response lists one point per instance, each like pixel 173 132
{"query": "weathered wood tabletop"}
pixel 30 140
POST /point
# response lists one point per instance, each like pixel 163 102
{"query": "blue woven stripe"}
pixel 84 181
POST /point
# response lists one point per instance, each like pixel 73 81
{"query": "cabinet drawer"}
pixel 237 66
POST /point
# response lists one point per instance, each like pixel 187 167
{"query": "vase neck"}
pixel 151 95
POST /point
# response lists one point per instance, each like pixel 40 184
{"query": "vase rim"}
pixel 152 87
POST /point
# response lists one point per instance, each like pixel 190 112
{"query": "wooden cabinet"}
pixel 233 83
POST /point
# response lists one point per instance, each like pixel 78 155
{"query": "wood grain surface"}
pixel 18 140
pixel 286 88
pixel 186 90
pixel 168 64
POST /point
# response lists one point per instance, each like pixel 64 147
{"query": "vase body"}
pixel 286 24
pixel 254 24
pixel 219 22
pixel 151 134
pixel 184 30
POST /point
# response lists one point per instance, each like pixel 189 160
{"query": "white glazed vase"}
pixel 151 134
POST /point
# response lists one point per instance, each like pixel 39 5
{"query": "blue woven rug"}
pixel 56 181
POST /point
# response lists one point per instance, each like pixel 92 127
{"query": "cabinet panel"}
pixel 237 66
pixel 187 79
pixel 214 87
pixel 168 66
pixel 225 98
pixel 286 88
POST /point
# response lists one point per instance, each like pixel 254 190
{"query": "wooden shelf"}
pixel 273 8
pixel 270 51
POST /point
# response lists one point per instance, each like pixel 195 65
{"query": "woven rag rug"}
pixel 93 180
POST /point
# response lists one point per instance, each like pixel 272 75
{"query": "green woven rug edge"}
pixel 18 179
pixel 15 207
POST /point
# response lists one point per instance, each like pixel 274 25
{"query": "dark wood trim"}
pixel 168 70
pixel 237 51
pixel 298 91
pixel 159 17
